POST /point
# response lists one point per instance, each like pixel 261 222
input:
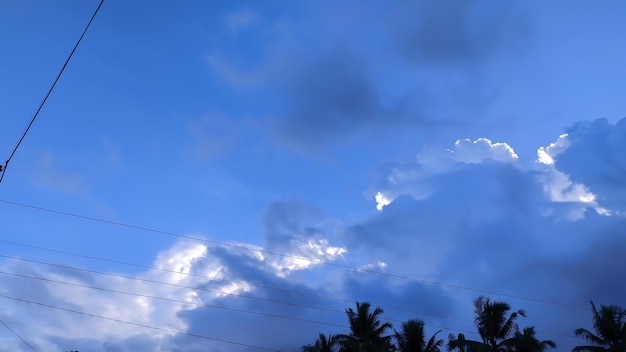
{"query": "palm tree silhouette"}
pixel 367 333
pixel 609 324
pixel 413 339
pixel 323 344
pixel 496 330
pixel 526 341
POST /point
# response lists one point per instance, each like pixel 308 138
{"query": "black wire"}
pixel 317 261
pixel 139 324
pixel 43 102
pixel 206 290
pixel 14 333
pixel 208 305
pixel 172 299
pixel 309 294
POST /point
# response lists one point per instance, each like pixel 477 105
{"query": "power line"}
pixel 208 305
pixel 18 336
pixel 336 299
pixel 43 102
pixel 232 309
pixel 191 288
pixel 170 299
pixel 139 324
pixel 232 294
pixel 317 261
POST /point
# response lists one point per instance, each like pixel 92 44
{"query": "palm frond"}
pixel 589 336
pixel 433 344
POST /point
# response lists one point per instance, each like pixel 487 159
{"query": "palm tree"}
pixel 366 331
pixel 464 345
pixel 323 344
pixel 413 339
pixel 495 329
pixel 525 341
pixel 609 324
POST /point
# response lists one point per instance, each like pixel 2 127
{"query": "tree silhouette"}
pixel 413 339
pixel 495 329
pixel 609 324
pixel 526 341
pixel 367 333
pixel 323 344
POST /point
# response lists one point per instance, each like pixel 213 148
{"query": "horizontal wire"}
pixel 230 281
pixel 188 287
pixel 172 284
pixel 217 291
pixel 209 305
pixel 205 305
pixel 139 324
pixel 169 299
pixel 387 308
pixel 317 261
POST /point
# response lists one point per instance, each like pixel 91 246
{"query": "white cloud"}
pixel 306 254
pixel 560 188
pixel 546 155
pixel 416 178
pixel 381 201
pixel 480 150
pixel 595 158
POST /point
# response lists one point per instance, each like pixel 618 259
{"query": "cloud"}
pixel 458 32
pixel 418 178
pixel 586 166
pixel 296 229
pixel 594 157
pixel 331 95
pixel 546 155
pixel 462 222
pixel 315 85
pixel 480 150
pixel 506 226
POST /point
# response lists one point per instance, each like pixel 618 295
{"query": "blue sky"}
pixel 468 143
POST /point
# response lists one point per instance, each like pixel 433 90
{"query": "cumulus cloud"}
pixel 193 284
pixel 584 165
pixel 516 228
pixel 546 155
pixel 461 222
pixel 417 178
pixel 596 158
pixel 475 152
pixel 296 229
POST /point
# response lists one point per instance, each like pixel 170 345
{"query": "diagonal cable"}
pixel 3 169
pixel 18 336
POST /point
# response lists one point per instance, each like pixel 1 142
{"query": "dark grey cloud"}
pixel 486 226
pixel 362 70
pixel 459 32
pixel 333 95
pixel 286 221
